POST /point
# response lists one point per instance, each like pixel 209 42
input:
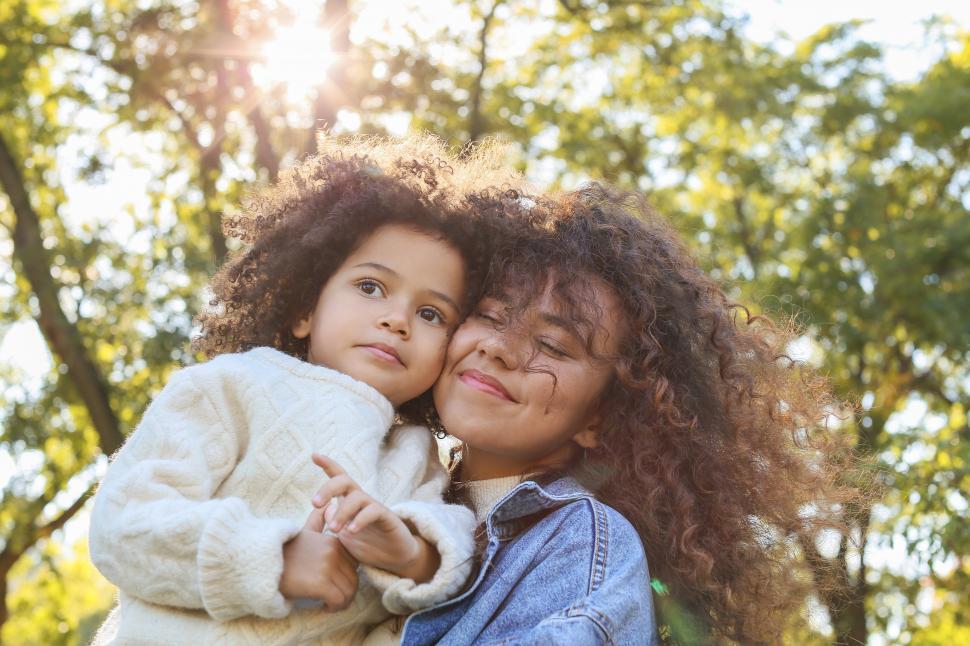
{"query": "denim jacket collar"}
pixel 553 571
pixel 516 510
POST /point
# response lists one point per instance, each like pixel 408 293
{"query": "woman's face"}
pixel 524 397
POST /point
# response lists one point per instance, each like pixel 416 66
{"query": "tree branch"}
pixel 749 246
pixel 45 531
pixel 475 125
pixel 187 128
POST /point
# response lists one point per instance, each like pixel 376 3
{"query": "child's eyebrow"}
pixel 433 292
pixel 377 265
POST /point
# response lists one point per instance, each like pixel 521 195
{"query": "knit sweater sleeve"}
pixel 158 532
pixel 449 528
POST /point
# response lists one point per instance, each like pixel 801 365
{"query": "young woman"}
pixel 615 408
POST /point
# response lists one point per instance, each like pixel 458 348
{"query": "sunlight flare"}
pixel 298 56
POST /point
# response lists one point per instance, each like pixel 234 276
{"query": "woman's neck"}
pixel 478 465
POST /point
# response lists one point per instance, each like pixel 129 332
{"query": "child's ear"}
pixel 301 329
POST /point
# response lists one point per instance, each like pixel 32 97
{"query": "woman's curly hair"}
pixel 298 232
pixel 714 443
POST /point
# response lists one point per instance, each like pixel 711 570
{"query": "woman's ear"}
pixel 588 438
pixel 301 329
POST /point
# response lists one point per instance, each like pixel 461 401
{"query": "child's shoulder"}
pixel 234 365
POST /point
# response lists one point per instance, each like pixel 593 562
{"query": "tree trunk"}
pixel 849 622
pixel 62 336
pixel 331 96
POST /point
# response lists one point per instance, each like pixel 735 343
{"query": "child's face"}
pixel 386 315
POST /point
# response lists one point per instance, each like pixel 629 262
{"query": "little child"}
pixel 326 333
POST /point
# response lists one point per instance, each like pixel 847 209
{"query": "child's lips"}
pixel 383 352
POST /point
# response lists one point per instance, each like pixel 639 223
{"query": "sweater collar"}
pixel 483 494
pixel 311 371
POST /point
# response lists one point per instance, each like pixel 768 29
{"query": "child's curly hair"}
pixel 301 230
pixel 714 442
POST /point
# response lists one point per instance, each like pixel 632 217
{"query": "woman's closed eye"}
pixel 370 288
pixel 488 315
pixel 553 348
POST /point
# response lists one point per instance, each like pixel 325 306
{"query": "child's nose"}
pixel 396 322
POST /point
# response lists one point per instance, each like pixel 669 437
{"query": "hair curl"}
pixel 299 231
pixel 714 443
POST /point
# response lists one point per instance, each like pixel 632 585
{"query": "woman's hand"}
pixel 370 532
pixel 317 566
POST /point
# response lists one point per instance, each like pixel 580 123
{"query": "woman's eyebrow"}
pixel 564 324
pixel 378 266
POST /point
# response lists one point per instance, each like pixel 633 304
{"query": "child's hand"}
pixel 371 532
pixel 317 566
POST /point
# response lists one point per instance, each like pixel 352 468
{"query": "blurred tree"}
pixel 806 176
pixel 59 599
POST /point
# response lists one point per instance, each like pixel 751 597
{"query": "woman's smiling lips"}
pixel 383 352
pixel 485 383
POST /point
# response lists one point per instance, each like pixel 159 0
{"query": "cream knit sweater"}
pixel 191 517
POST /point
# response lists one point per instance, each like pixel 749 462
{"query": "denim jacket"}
pixel 560 567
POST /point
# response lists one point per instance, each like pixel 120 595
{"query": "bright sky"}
pixel 897 25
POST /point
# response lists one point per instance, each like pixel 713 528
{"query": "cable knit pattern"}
pixel 191 517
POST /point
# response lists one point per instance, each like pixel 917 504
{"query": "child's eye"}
pixel 370 288
pixel 431 315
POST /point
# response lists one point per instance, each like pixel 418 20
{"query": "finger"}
pixel 315 522
pixel 338 486
pixel 367 516
pixel 342 587
pixel 329 466
pixel 348 508
pixel 335 595
pixel 345 556
pixel 342 576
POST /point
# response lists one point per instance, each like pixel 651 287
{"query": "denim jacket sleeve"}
pixel 614 604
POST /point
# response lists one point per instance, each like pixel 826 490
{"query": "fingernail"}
pixel 352 528
pixel 328 515
pixel 317 500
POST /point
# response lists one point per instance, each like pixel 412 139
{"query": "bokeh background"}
pixel 817 164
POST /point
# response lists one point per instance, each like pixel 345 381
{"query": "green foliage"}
pixel 814 186
pixel 59 598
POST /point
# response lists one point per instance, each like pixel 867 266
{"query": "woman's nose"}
pixel 500 348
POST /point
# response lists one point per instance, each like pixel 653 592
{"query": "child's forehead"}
pixel 397 232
